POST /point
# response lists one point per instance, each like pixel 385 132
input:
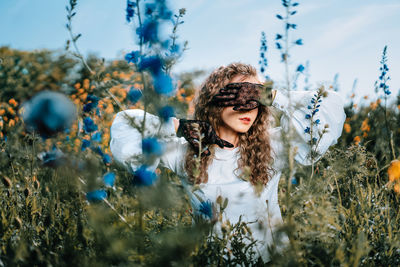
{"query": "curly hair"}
pixel 255 150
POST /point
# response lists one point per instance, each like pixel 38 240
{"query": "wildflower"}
pixel 300 68
pixel 107 159
pixel 299 42
pixel 85 144
pixel 394 170
pixel 96 196
pixel 347 128
pixel 279 16
pixel 294 180
pixel 151 146
pixel 130 12
pixel 132 57
pixel 148 32
pixel 109 179
pixel 397 188
pixel 278 36
pixel 308 116
pixel 144 177
pixel 96 137
pixel 166 113
pixel 151 63
pixel 13 102
pixel 134 95
pixel 49 113
pixel 364 126
pixel 317 121
pixel 307 130
pixel 357 140
pixel 89 125
pixel 206 209
pixel 163 84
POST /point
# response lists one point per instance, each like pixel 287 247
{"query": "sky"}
pixel 340 37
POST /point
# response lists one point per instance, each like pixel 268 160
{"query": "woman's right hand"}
pixel 190 129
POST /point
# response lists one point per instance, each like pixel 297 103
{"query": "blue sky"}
pixel 345 37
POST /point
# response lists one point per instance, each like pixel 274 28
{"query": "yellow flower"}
pixel 347 128
pixel 357 140
pixel 394 170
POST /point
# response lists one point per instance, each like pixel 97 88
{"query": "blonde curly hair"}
pixel 254 146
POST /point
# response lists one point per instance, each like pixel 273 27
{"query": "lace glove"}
pixel 243 96
pixel 189 129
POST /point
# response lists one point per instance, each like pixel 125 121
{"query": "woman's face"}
pixel 239 121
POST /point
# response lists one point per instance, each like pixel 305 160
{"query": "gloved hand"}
pixel 243 96
pixel 189 129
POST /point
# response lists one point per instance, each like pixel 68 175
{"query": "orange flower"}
pixel 11 123
pixel 86 83
pixel 366 97
pixel 1 124
pixel 373 105
pixel 357 140
pixel 12 112
pixel 397 188
pixel 353 95
pixel 365 134
pixel 394 170
pixel 12 102
pixel 398 107
pixel 347 128
pixel 355 106
pixel 378 101
pixel 77 86
pixel 2 112
pixel 364 126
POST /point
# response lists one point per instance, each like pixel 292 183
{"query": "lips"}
pixel 245 119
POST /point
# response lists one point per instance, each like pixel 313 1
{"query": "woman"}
pixel 241 156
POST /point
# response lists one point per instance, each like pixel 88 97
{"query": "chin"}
pixel 242 129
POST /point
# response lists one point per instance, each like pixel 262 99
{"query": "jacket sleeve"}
pixel 126 140
pixel 330 112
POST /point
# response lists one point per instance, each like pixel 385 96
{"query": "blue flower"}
pixel 299 42
pixel 148 32
pixel 295 4
pixel 279 16
pixel 309 107
pixel 97 149
pixel 96 196
pixel 151 146
pixel 163 84
pixel 294 180
pixel 109 179
pixel 130 12
pixel 278 36
pixel 89 106
pixel 48 113
pixel 152 63
pixel 308 116
pixel 132 57
pixel 85 144
pixel 315 111
pixel 307 130
pixel 143 177
pixel 96 137
pixel 53 158
pixel 278 45
pixel 89 125
pixel 206 209
pixel 300 68
pixel 166 112
pixel 317 121
pixel 107 159
pixel 134 95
